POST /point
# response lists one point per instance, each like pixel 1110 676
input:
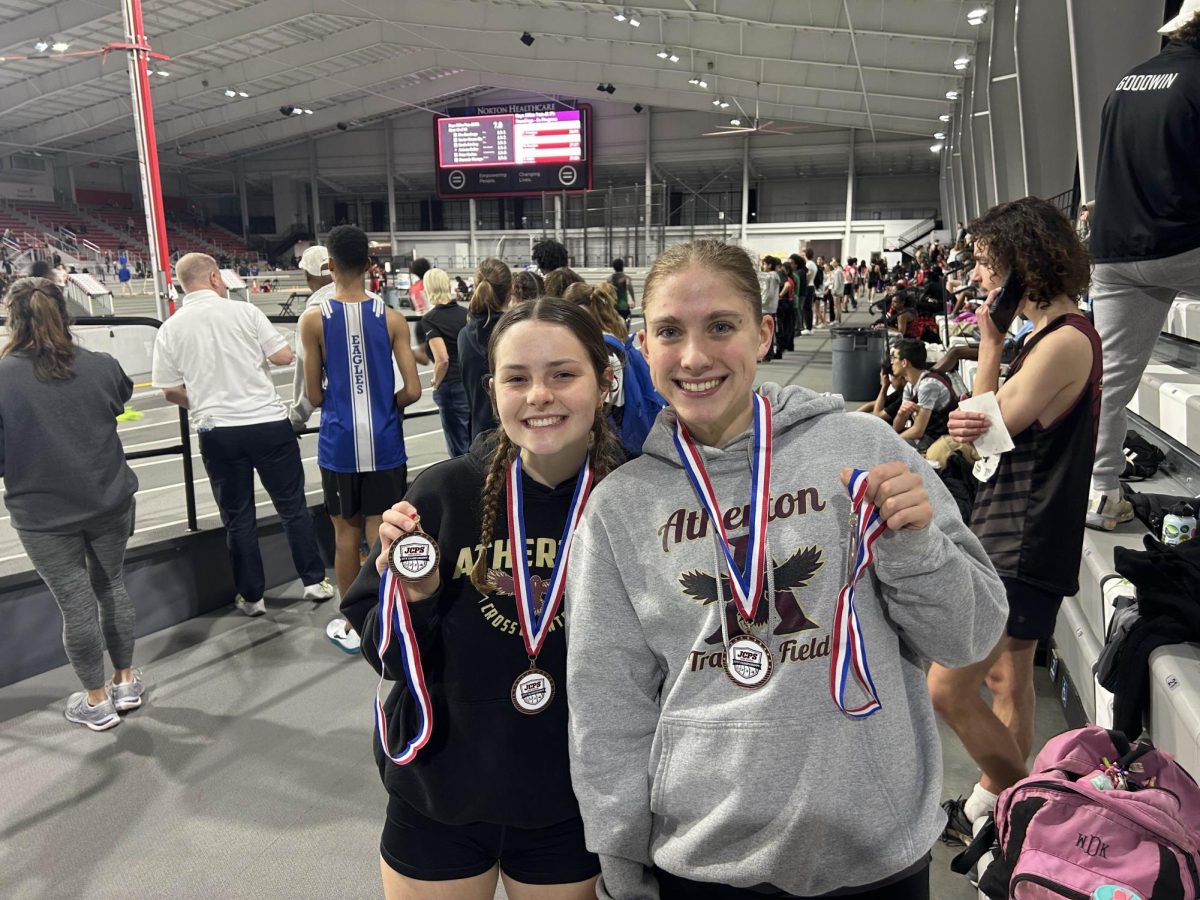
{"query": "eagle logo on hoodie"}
pixel 790 576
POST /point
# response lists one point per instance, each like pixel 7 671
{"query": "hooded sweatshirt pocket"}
pixel 735 797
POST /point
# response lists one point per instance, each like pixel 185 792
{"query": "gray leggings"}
pixel 83 569
pixel 1130 302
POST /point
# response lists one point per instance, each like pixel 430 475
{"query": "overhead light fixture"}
pixel 60 46
pixel 716 101
pixel 230 92
pixel 526 38
pixel 962 62
pixel 342 126
pixel 724 104
pixel 735 121
pixel 609 88
pixel 634 20
pixel 41 46
pixel 951 95
pixel 662 54
pixel 944 117
pixel 939 135
pixel 163 74
pixel 977 16
pixel 703 83
pixel 243 94
pixel 600 86
pixel 637 107
pixel 693 80
pixel 284 110
pixel 308 112
pixel 619 15
pixel 936 148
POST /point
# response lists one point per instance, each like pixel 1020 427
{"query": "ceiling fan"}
pixel 756 125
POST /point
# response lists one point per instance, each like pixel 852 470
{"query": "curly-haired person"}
pixel 1050 404
pixel 1145 232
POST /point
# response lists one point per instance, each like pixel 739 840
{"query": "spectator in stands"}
pixel 493 285
pixel 806 281
pixel 791 281
pixel 1083 226
pixel 416 290
pixel 558 280
pixel 928 396
pixel 623 284
pixel 462 290
pixel 548 255
pixel 527 285
pixel 1145 238
pixel 437 342
pixel 208 359
pixel 1029 513
pixel 768 282
pixel 72 511
pixel 360 451
pixel 891 395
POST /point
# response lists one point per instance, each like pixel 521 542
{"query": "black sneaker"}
pixel 958 828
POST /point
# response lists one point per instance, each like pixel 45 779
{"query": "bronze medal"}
pixel 414 556
pixel 533 691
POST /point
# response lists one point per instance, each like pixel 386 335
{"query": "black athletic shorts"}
pixel 1031 610
pixel 419 847
pixel 349 495
pixel 912 884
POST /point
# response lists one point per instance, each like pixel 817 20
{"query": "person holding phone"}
pixel 482 789
pixel 718 749
pixel 1051 406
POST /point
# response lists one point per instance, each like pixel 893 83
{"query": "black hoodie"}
pixel 485 761
pixel 473 366
pixel 1147 178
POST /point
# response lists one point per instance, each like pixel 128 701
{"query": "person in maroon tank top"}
pixel 1029 513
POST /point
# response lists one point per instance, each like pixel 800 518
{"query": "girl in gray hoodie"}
pixel 716 751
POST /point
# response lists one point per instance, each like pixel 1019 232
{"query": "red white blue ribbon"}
pixel 849 658
pixel 395 624
pixel 535 626
pixel 747 583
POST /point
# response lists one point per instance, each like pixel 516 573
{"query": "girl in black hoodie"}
pixel 484 789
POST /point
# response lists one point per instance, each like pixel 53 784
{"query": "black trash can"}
pixel 858 354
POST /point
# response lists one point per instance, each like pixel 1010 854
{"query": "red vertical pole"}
pixel 143 123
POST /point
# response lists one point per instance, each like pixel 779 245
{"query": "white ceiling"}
pixel 882 67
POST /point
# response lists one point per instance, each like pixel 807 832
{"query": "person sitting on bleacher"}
pixel 929 398
pixel 890 397
pixel 1029 512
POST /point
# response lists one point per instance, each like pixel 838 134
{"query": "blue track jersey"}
pixel 361 429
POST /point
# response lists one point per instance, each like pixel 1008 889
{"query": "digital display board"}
pixel 512 150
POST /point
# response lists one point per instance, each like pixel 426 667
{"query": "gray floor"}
pixel 248 773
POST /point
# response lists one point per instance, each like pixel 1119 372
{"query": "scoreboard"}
pixel 513 150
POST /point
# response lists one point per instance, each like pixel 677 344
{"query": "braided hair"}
pixel 604 450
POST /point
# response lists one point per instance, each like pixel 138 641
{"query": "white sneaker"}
pixel 101 717
pixel 128 695
pixel 319 592
pixel 1106 510
pixel 257 608
pixel 805 331
pixel 343 636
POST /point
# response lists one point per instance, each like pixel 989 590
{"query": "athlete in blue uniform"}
pixel 349 343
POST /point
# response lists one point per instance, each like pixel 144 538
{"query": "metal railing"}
pixel 184 447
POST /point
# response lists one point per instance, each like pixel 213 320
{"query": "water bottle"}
pixel 1179 524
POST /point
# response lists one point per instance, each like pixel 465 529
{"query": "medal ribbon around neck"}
pixel 534 627
pixel 395 624
pixel 747 583
pixel 849 657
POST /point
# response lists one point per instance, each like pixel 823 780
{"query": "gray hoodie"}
pixel 677 767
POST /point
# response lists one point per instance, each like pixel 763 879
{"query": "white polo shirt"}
pixel 218 348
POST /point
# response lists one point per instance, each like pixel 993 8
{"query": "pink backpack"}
pixel 1097 819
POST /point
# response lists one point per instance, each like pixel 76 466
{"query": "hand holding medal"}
pixel 898 493
pixel 408 552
